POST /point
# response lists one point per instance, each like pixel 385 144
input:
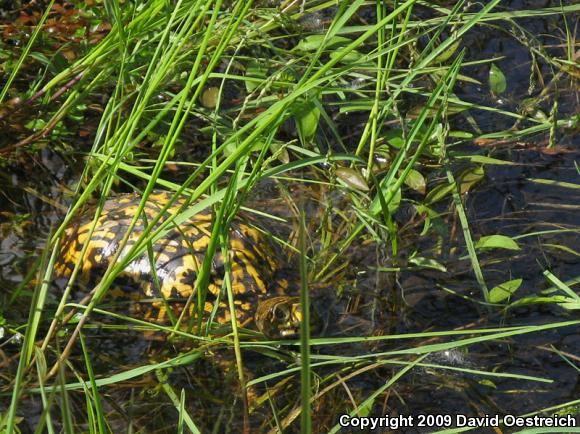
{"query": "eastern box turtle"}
pixel 259 292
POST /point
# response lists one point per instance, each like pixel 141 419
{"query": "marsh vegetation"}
pixel 414 163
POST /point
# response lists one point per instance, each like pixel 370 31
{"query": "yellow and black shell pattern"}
pixel 177 257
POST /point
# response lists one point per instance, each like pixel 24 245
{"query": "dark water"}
pixel 507 202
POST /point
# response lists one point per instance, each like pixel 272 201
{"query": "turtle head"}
pixel 280 317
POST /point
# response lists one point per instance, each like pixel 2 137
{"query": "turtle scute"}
pixel 165 275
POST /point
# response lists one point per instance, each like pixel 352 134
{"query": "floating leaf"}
pixel 350 57
pixel 280 152
pixel 395 138
pixel 504 291
pixel 352 178
pixel 439 74
pixel 448 53
pixel 539 115
pixel 497 242
pixel 487 383
pixel 385 193
pixel 438 192
pixel 482 159
pixel 307 116
pixel 41 58
pixel 460 134
pixel 416 181
pixel 427 263
pixel 231 148
pixel 468 178
pixel 434 149
pixel 365 410
pixel 254 70
pixel 313 42
pixel 395 201
pixel 276 149
pixel 451 108
pixel 497 82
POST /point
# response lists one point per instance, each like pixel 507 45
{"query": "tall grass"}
pixel 173 52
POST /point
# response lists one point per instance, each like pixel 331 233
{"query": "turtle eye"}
pixel 281 312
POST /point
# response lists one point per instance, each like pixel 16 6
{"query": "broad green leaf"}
pixel 365 410
pixel 451 108
pixel 539 115
pixel 504 291
pixel 254 70
pixel 427 263
pixel 497 82
pixel 469 178
pixel 231 148
pixel 438 192
pixel 386 192
pixel 460 134
pixel 351 57
pixel 313 42
pixel 395 201
pixel 482 159
pixel 497 242
pixel 280 151
pixel 487 383
pixel 416 181
pixel 395 138
pixel 307 116
pixel 448 52
pixel 352 178
pixel 41 58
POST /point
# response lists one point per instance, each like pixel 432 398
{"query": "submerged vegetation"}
pixel 419 180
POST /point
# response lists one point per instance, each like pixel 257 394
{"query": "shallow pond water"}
pixel 514 200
